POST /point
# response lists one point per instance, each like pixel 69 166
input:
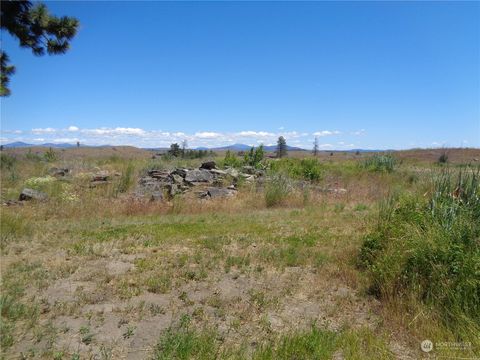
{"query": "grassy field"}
pixel 340 257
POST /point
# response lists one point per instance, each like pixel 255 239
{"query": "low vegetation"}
pixel 385 163
pixel 319 258
pixel 425 250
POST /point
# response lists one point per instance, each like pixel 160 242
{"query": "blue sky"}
pixel 388 75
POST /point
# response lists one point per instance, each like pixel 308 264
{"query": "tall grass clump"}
pixel 12 227
pixel 380 163
pixel 426 249
pixel 277 189
pixel 126 180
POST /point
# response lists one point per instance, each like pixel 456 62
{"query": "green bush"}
pixel 304 169
pixel 254 156
pixel 50 155
pixel 427 248
pixel 381 163
pixel 231 160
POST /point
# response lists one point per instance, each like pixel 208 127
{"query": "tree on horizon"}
pixel 315 146
pixel 281 147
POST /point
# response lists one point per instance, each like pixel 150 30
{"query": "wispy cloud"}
pixel 359 132
pixel 326 133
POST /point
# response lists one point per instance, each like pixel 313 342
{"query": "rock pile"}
pixel 208 180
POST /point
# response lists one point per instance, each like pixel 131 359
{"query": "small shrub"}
pixel 50 155
pixel 254 156
pixel 231 160
pixel 7 162
pixel 305 169
pixel 443 158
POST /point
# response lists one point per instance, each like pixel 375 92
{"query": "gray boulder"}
pixel 156 196
pixel 199 176
pixel 101 176
pixel 30 194
pixel 159 174
pixel 180 172
pixel 215 193
pixel 58 172
pixel 217 172
pixel 177 179
pixel 232 172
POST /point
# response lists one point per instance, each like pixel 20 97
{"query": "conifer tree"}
pixel 35 28
pixel 281 147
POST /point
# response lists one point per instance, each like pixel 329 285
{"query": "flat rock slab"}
pixel 200 175
pixel 220 192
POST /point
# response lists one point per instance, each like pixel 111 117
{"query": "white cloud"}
pixel 207 135
pixel 73 128
pixel 65 140
pixel 255 133
pixel 326 133
pixel 12 131
pixel 43 131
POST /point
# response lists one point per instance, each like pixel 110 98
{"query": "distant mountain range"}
pixel 20 144
pixel 234 147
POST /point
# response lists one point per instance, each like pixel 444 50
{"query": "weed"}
pixel 159 284
pixel 129 331
pixel 183 342
pixel 86 336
